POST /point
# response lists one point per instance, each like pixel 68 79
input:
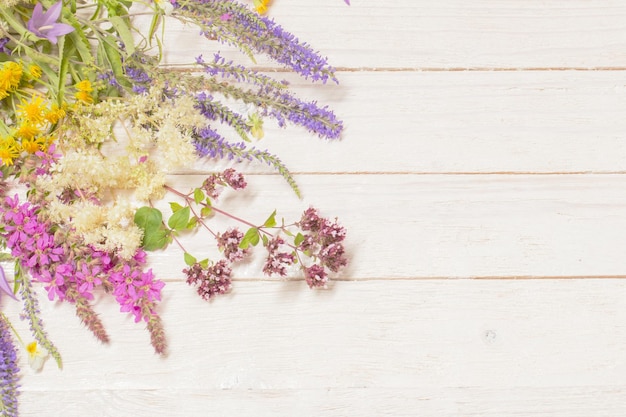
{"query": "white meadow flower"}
pixel 37 356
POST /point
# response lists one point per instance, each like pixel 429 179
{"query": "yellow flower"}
pixel 36 356
pixel 27 131
pixel 8 150
pixel 84 96
pixel 33 145
pixel 10 76
pixel 255 122
pixel 84 91
pixel 34 71
pixel 84 85
pixel 33 111
pixel 55 114
pixel 261 6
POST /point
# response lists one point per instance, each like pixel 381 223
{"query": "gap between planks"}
pixel 188 68
pixel 437 278
pixel 421 173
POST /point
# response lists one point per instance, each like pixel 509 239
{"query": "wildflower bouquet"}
pixel 90 126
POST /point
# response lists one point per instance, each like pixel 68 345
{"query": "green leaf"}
pixel 250 238
pixel 298 239
pixel 148 218
pixel 156 239
pixel 121 27
pixel 265 239
pixel 179 219
pixel 4 257
pixel 198 195
pixel 114 58
pixel 64 58
pixel 80 41
pixel 192 223
pixel 175 206
pixel 17 277
pixel 271 220
pixel 189 259
pixel 156 20
pixel 204 263
pixel 205 211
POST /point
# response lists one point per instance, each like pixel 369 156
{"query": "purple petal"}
pixel 4 285
pixel 53 14
pixel 59 29
pixel 37 16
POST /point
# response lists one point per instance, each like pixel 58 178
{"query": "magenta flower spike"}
pixel 4 285
pixel 45 25
pixel 347 2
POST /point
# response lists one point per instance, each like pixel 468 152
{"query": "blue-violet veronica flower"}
pixel 44 25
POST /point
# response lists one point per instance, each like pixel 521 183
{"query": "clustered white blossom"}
pixel 157 139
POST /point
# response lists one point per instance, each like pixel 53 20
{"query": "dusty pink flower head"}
pixel 316 276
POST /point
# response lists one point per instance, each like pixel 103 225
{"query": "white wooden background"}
pixel 482 178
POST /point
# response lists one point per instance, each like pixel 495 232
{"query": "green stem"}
pixel 31 307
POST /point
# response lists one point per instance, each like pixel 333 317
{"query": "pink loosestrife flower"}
pixel 45 25
pixel 136 290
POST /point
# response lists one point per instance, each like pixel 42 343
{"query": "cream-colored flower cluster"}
pixel 116 155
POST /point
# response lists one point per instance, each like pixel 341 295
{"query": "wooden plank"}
pixel 568 121
pixel 469 347
pixel 331 402
pixel 425 226
pixel 443 34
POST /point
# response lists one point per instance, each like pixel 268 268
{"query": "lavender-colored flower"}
pixel 3 46
pixel 44 24
pixel 4 285
pixel 270 98
pixel 214 110
pixel 211 144
pixel 247 30
pixel 139 78
pixel 9 372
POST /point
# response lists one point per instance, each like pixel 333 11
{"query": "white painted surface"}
pixel 486 212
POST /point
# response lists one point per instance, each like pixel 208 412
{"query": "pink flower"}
pixel 54 284
pixel 135 290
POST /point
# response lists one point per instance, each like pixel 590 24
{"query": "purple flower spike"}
pixel 347 2
pixel 4 285
pixel 44 24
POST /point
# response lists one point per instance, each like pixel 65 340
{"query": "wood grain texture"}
pixel 439 226
pixel 482 181
pixel 459 122
pixel 462 347
pixel 445 34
